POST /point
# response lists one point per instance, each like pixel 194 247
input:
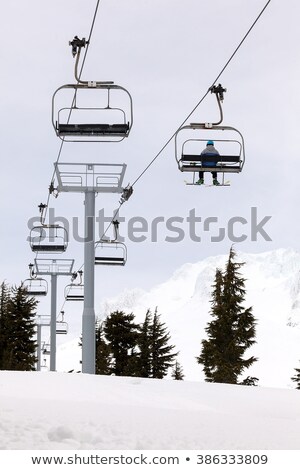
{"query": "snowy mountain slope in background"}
pixel 273 289
pixel 81 411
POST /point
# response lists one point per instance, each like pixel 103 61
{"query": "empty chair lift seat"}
pixel 49 239
pixel 37 291
pixel 110 261
pixel 61 328
pixel 121 130
pixel 75 297
pixel 36 287
pixel 111 254
pixel 74 292
pixel 58 248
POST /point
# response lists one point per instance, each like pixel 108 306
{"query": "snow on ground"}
pixel 43 411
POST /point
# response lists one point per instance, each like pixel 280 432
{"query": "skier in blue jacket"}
pixel 210 150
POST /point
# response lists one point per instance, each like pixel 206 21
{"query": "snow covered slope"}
pixel 79 411
pixel 273 289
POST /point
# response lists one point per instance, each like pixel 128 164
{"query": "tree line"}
pixel 127 348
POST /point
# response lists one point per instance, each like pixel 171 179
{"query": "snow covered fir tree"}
pixel 121 334
pixel 144 344
pixel 126 348
pixel 161 352
pixel 177 372
pixel 17 329
pixel 296 378
pixel 231 331
pixel 103 356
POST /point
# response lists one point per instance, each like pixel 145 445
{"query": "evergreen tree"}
pixel 296 379
pixel 211 355
pixel 133 350
pixel 143 363
pixel 121 334
pixel 17 317
pixel 177 372
pixel 232 330
pixel 252 381
pixel 162 357
pixel 103 356
pixel 4 338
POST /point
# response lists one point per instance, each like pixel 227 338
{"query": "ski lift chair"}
pixel 224 163
pixel 61 325
pixel 61 328
pixel 49 239
pixel 109 120
pixel 36 287
pixel 188 147
pixel 82 122
pixel 75 291
pixel 110 253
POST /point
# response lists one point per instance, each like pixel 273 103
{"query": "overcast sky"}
pixel 166 53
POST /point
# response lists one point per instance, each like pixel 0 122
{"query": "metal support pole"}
pixel 53 323
pixel 88 317
pixel 90 179
pixel 39 345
